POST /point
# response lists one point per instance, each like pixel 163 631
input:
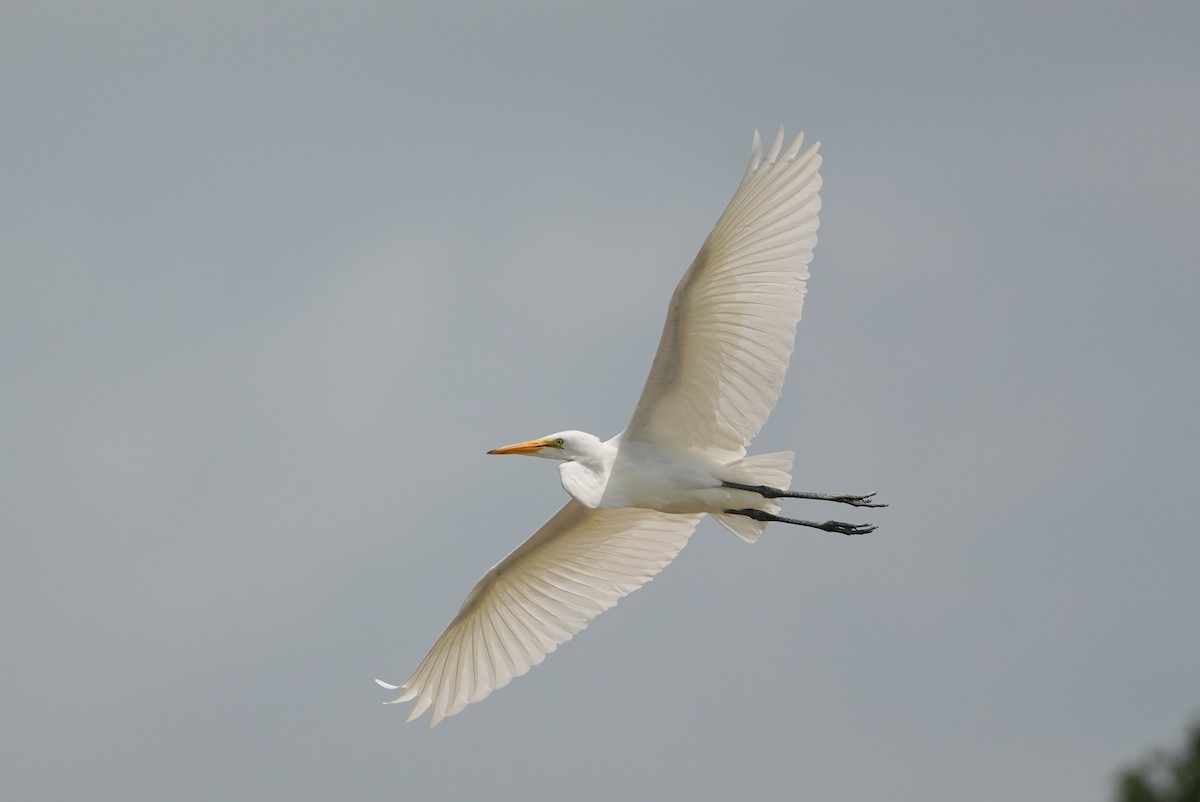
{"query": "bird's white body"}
pixel 636 498
pixel 656 477
pixel 624 472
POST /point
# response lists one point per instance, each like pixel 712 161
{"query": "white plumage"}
pixel 732 320
pixel 637 497
pixel 572 569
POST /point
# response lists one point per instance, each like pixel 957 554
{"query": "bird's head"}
pixel 560 445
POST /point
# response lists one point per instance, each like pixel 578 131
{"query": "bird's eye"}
pixel 558 441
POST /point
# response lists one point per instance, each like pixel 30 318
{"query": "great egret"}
pixel 635 499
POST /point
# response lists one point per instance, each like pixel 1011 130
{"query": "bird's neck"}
pixel 586 476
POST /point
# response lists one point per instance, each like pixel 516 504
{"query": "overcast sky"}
pixel 274 276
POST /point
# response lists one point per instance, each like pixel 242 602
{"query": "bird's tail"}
pixel 773 470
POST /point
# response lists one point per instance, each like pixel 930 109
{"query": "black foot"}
pixel 847 529
pixel 827 526
pixel 853 501
pixel 840 498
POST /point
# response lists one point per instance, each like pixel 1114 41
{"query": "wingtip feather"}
pixel 794 148
pixel 776 146
pixel 755 153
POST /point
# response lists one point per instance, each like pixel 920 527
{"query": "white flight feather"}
pixel 576 566
pixel 731 323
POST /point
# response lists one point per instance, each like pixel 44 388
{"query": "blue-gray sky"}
pixel 273 276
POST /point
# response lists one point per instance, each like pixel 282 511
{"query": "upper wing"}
pixel 572 569
pixel 732 320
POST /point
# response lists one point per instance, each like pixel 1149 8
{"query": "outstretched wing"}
pixel 732 320
pixel 575 567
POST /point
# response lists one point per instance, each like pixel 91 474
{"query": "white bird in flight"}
pixel 636 498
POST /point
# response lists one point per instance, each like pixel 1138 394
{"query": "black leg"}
pixel 840 498
pixel 828 526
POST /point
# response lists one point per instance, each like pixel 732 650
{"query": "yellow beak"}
pixel 528 447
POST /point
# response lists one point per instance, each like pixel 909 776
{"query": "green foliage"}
pixel 1163 776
